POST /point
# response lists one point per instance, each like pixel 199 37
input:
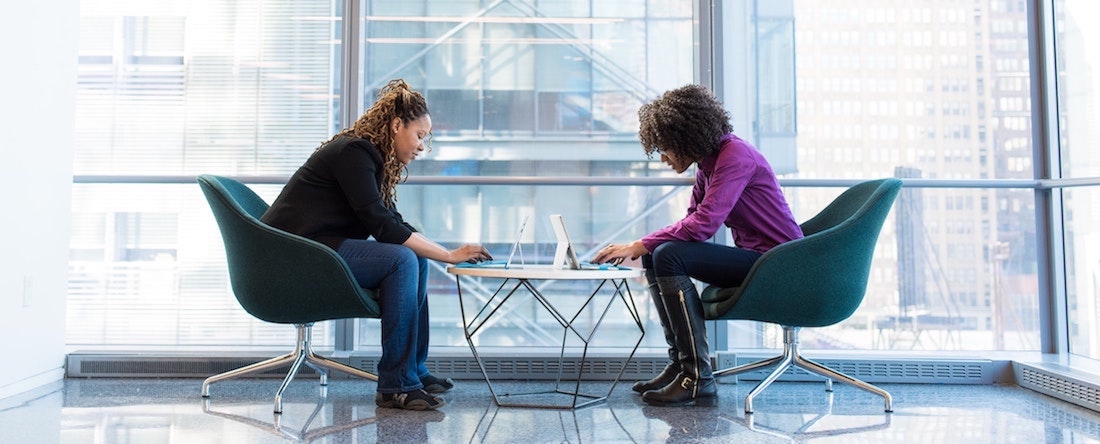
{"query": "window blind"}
pixel 183 88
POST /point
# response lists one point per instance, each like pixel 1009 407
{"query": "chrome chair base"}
pixel 302 354
pixel 791 357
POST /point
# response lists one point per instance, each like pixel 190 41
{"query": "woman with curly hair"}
pixel 345 196
pixel 734 186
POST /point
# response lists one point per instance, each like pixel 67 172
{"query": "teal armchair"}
pixel 815 281
pixel 282 278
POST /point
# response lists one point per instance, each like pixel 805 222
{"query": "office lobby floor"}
pixel 172 411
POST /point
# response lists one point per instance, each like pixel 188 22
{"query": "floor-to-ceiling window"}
pixel 529 88
pixel 1078 94
pixel 250 88
pixel 179 88
pixel 935 91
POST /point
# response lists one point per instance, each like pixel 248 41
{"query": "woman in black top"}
pixel 344 196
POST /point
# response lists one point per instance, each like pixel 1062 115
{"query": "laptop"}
pixel 565 256
pixel 511 254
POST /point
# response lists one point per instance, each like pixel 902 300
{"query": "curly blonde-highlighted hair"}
pixel 688 121
pixel 396 100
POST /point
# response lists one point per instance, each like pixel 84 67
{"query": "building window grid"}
pixel 1020 104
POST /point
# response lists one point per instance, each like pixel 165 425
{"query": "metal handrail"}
pixel 1039 184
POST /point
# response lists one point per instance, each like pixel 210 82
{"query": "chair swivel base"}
pixel 791 357
pixel 302 354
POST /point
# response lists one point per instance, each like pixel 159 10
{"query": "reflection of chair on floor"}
pixel 815 281
pixel 304 434
pixel 282 278
pixel 804 433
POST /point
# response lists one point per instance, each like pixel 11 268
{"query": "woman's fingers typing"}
pixel 474 254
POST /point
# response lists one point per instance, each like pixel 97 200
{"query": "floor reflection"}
pixel 809 427
pixel 596 423
pixel 816 423
pixel 172 411
pixel 341 415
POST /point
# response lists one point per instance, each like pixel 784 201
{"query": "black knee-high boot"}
pixel 673 368
pixel 695 383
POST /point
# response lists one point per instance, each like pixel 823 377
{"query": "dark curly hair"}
pixel 688 121
pixel 395 100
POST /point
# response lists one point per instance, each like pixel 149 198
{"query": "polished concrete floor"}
pixel 172 411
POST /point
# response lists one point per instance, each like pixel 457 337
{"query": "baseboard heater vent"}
pixel 92 365
pixel 916 371
pixel 944 371
pixel 1060 382
pixel 162 366
pixel 536 368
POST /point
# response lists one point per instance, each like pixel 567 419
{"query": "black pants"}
pixel 709 262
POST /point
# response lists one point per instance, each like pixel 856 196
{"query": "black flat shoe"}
pixel 433 384
pixel 414 400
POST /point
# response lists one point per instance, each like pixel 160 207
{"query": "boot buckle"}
pixel 686 383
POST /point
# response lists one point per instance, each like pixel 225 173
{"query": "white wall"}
pixel 38 50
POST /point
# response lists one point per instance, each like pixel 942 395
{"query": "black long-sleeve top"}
pixel 336 195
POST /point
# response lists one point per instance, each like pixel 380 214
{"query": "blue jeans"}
pixel 401 278
pixel 715 264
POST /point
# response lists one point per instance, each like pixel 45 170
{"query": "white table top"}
pixel 545 271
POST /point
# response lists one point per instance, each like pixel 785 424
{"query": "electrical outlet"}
pixel 726 360
pixel 723 361
pixel 28 290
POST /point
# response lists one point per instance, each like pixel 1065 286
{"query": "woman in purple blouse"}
pixel 734 186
